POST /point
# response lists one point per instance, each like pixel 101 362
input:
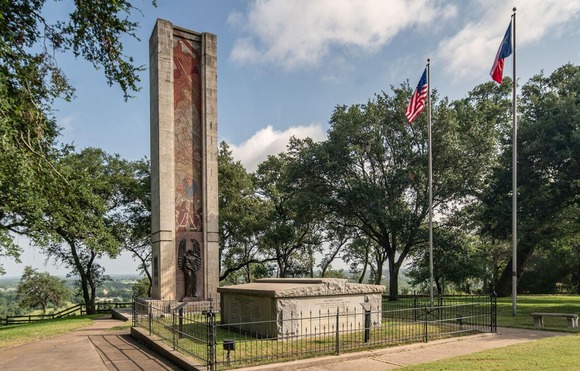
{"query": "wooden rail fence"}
pixel 79 309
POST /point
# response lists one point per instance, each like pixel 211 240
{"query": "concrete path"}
pixel 91 348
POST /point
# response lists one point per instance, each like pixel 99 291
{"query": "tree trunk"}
pixel 578 280
pixel 83 275
pixel 147 273
pixel 311 261
pixel 439 287
pixel 325 264
pixel 504 284
pixel 248 271
pixel 393 280
pixel 87 296
pixel 379 273
pixel 92 299
pixel 364 270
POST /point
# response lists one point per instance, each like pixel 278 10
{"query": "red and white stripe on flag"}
pixel 417 103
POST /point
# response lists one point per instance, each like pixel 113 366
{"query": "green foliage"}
pixel 458 260
pixel 26 137
pixel 8 304
pixel 291 237
pixel 548 171
pixel 359 255
pixel 554 268
pixel 80 222
pixel 30 80
pixel 93 31
pixel 38 290
pixel 262 231
pixel 361 195
pixel 336 273
pixel 371 173
pixel 242 221
pixel 142 288
pixel 132 220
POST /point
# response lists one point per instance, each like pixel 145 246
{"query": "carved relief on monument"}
pixel 188 162
pixel 188 150
pixel 189 261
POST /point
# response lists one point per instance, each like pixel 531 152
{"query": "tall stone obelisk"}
pixel 184 184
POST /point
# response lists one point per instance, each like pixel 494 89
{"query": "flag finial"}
pixel 514 9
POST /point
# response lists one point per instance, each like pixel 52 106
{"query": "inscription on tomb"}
pixel 330 304
pixel 246 309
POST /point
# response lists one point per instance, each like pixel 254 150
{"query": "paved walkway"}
pixel 99 348
pixel 92 348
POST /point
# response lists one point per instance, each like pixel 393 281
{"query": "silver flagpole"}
pixel 430 183
pixel 514 178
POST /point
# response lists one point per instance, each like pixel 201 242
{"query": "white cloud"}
pixel 301 33
pixel 475 46
pixel 68 123
pixel 267 142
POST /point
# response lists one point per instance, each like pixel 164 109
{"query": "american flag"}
pixel 417 102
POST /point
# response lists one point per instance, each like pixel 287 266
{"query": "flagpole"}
pixel 430 182
pixel 514 177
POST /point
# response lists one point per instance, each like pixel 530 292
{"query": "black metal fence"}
pixel 197 331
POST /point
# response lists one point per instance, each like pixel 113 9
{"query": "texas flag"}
pixel 504 51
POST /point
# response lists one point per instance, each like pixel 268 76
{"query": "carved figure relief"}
pixel 189 261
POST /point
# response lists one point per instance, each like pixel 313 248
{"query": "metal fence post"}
pixel 150 315
pixel 367 325
pixel 415 306
pixel 133 312
pixel 180 323
pixel 173 328
pixel 337 348
pixel 211 340
pixel 493 299
pixel 426 335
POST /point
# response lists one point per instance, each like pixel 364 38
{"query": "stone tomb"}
pixel 285 307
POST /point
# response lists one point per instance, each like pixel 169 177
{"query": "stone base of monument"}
pixel 288 307
pixel 161 308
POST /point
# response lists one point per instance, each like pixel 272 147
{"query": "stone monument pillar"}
pixel 184 184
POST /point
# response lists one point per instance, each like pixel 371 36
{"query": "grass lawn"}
pixel 527 304
pixel 558 353
pixel 21 334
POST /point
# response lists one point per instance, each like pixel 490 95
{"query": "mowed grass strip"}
pixel 21 334
pixel 557 353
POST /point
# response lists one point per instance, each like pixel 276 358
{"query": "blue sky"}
pixel 283 65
